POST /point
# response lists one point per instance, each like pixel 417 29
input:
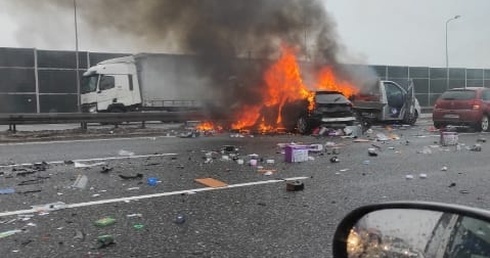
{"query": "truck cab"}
pixel 111 86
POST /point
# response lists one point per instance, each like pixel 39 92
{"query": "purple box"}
pixel 296 153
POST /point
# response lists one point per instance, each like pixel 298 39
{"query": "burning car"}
pixel 328 108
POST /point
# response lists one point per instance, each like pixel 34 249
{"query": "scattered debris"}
pixel 372 152
pixel 37 181
pixel 106 170
pixel 464 191
pixel 253 162
pixel 135 215
pixel 423 176
pixel 138 226
pixel 315 148
pixel 25 173
pixel 104 222
pixel 361 140
pixel 444 168
pixel 240 161
pixel 334 159
pixel 452 185
pixel 79 235
pixel 80 182
pixel 31 192
pixel 344 170
pixel 137 176
pixel 50 207
pixel 476 147
pixel 296 153
pixel 125 153
pixel 270 161
pixel 211 182
pixel 153 181
pixel 68 162
pixel 409 177
pixel 335 150
pixel 6 191
pixel 481 140
pixel 9 233
pixel 83 165
pixel 180 219
pixel 105 241
pixel 295 186
pixel 381 137
pixel 366 162
pixel 449 138
pixel 133 188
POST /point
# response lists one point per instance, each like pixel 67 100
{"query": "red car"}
pixel 463 106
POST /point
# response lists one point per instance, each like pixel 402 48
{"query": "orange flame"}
pixel 284 84
pixel 208 126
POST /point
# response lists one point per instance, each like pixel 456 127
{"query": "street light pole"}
pixel 447 51
pixel 77 57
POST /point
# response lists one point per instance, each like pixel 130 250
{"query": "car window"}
pixel 107 82
pixel 331 98
pixel 486 95
pixel 459 95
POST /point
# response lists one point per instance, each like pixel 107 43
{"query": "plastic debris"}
pixel 423 176
pixel 240 161
pixel 330 144
pixel 79 235
pixel 481 140
pixel 9 233
pixel 104 222
pixel 125 153
pixel 310 158
pixel 95 195
pixel 452 185
pixel 295 186
pixel 409 177
pixel 50 206
pixel 105 241
pixel 138 226
pixel 153 181
pixel 382 137
pixel 270 161
pixel 344 170
pixel 268 173
pixel 366 162
pixel 230 148
pixel 135 215
pixel 464 191
pixel 476 147
pixel 80 182
pixel 372 152
pixel 83 165
pixel 315 148
pixel 334 159
pixel 106 170
pixel 137 176
pixel 444 168
pixel 253 162
pixel 225 158
pixel 133 188
pixel 6 191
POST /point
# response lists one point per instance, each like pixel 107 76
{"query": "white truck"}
pixel 144 82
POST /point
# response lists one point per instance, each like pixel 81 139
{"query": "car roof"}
pixel 468 88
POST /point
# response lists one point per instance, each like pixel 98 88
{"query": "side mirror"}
pixel 413 229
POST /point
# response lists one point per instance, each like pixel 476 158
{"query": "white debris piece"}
pixel 126 153
pixel 83 165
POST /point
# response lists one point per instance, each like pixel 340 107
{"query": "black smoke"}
pixel 233 39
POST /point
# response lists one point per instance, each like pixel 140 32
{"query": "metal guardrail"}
pixel 85 118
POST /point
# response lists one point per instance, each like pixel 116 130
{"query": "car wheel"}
pixel 483 125
pixel 439 125
pixel 302 125
pixel 411 119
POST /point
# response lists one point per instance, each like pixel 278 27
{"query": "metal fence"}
pixel 42 81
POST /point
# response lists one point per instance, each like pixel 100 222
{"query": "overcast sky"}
pixel 384 32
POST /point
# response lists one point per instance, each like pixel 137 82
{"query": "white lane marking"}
pixel 58 162
pixel 149 196
pixel 86 140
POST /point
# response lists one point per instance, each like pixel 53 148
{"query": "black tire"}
pixel 411 119
pixel 439 125
pixel 303 126
pixel 483 125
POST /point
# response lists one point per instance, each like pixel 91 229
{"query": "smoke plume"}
pixel 219 31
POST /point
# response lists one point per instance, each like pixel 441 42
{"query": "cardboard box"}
pixel 296 153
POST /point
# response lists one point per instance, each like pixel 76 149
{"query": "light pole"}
pixel 77 57
pixel 447 51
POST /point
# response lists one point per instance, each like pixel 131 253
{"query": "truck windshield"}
pixel 89 83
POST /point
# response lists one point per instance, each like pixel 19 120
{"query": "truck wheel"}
pixel 483 125
pixel 302 125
